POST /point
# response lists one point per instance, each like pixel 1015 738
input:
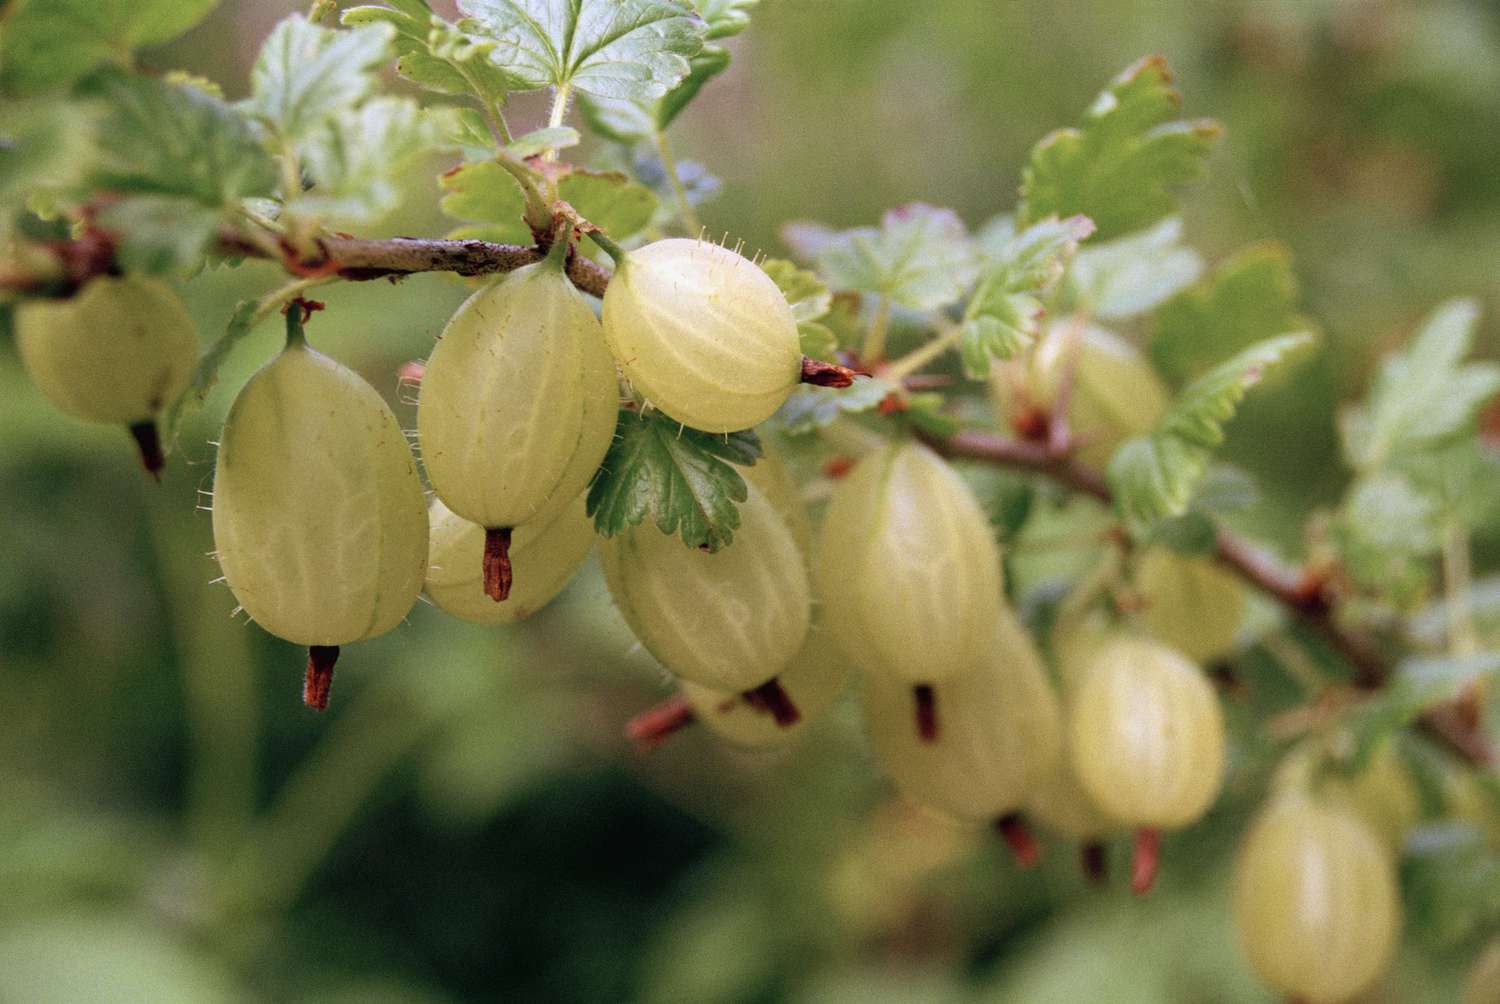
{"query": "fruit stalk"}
pixel 497 571
pixel 319 679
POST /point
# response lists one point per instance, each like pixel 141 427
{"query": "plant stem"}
pixel 949 335
pixel 1463 639
pixel 873 350
pixel 610 247
pixel 684 205
pixel 559 112
pixel 538 204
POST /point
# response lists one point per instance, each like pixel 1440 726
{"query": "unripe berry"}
pixel 814 680
pixel 1115 392
pixel 1001 731
pixel 119 351
pixel 544 553
pixel 909 570
pixel 703 334
pixel 1315 899
pixel 319 519
pixel 518 406
pixel 1383 791
pixel 729 620
pixel 1192 603
pixel 769 473
pixel 1146 735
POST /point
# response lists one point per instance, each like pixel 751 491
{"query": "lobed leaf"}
pixel 1004 314
pixel 434 53
pixel 1154 477
pixel 1123 278
pixel 606 48
pixel 356 161
pixel 484 194
pixel 1122 167
pixel 810 408
pixel 48 45
pixel 1250 296
pixel 1425 396
pixel 1387 533
pixel 920 256
pixel 306 75
pixel 682 479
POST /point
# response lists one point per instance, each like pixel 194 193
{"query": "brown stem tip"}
pixel 821 374
pixel 1019 838
pixel 651 727
pixel 319 678
pixel 148 442
pixel 497 563
pixel 925 700
pixel 773 699
pixel 1094 860
pixel 1145 861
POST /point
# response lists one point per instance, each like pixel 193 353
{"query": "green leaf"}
pixel 1416 685
pixel 682 479
pixel 547 138
pixel 607 48
pixel 51 44
pixel 46 147
pixel 810 301
pixel 1123 165
pixel 1451 885
pixel 724 17
pixel 1462 479
pixel 1130 275
pixel 920 256
pixel 484 193
pixel 306 75
pixel 355 162
pixel 1003 316
pixel 635 120
pixel 161 233
pixel 810 408
pixel 1154 477
pixel 206 375
pixel 435 54
pixel 1250 296
pixel 1387 533
pixel 1425 396
pixel 175 139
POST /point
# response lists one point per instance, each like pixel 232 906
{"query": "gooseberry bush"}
pixel 809 480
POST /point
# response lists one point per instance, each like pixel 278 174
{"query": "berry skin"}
pixel 770 474
pixel 319 519
pixel 1001 732
pixel 1192 604
pixel 545 552
pixel 730 620
pixel 703 334
pixel 518 401
pixel 909 570
pixel 1315 899
pixel 1115 393
pixel 814 679
pixel 119 352
pixel 1146 735
pixel 1383 792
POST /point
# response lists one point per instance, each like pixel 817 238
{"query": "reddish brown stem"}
pixel 924 698
pixel 319 678
pixel 1144 863
pixel 772 698
pixel 821 374
pixel 1019 838
pixel 148 442
pixel 1093 857
pixel 497 575
pixel 652 727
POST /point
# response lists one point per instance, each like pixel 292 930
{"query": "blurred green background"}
pixel 468 823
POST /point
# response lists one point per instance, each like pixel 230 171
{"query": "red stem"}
pixel 1146 860
pixel 497 574
pixel 925 699
pixel 319 678
pixel 1019 838
pixel 652 727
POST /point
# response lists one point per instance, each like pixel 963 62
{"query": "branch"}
pixel 1301 594
pixel 358 259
